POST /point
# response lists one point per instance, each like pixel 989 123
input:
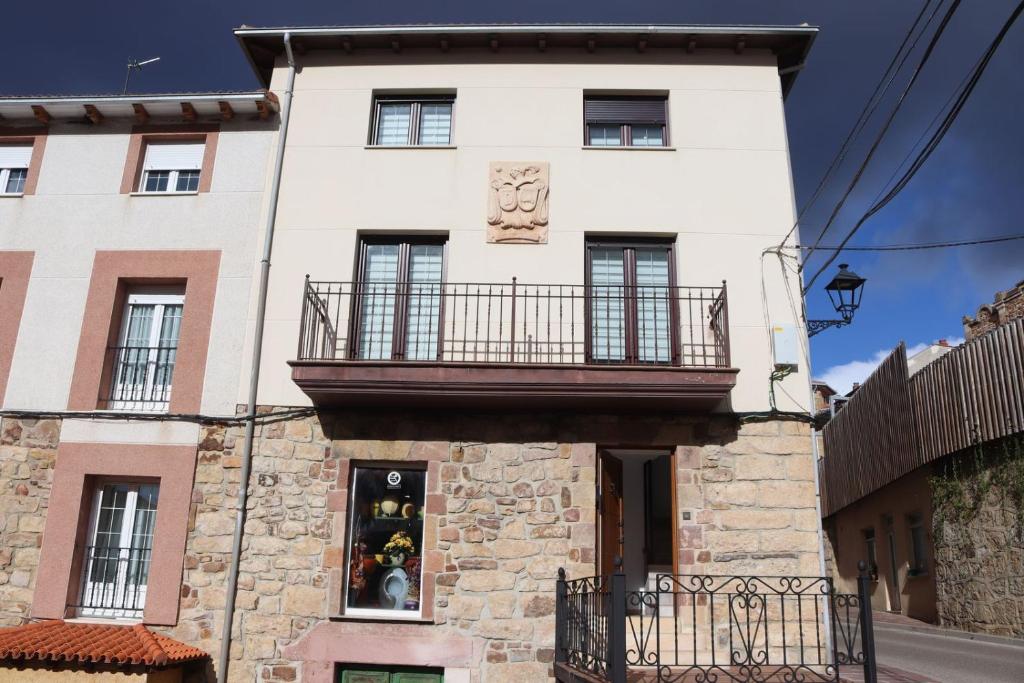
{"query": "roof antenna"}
pixel 136 65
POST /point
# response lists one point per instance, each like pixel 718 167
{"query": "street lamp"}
pixel 845 291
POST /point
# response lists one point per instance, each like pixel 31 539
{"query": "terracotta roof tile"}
pixel 60 641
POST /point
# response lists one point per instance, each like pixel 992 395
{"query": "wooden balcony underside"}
pixel 512 386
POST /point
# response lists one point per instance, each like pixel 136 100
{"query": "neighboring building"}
pixel 1007 305
pixel 927 356
pixel 515 312
pixel 128 230
pixel 918 480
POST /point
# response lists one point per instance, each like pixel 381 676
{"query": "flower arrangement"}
pixel 400 543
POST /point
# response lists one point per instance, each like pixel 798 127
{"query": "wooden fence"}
pixel 895 423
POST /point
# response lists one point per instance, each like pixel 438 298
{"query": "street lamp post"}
pixel 845 291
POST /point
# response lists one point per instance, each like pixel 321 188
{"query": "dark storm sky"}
pixel 970 188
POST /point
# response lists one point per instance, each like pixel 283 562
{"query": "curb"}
pixel 963 635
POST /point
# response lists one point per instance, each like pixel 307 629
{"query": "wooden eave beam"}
pixel 542 43
pixel 445 45
pixel 263 109
pixel 42 116
pixel 226 112
pixel 591 43
pixel 188 112
pixel 396 45
pixel 94 114
pixel 141 115
pixel 691 45
pixel 346 44
pixel 641 44
pixel 741 42
pixel 493 43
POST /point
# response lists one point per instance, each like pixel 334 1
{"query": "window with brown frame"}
pixel 412 120
pixel 626 121
pixel 398 299
pixel 632 305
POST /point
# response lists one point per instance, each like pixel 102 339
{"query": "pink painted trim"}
pixel 38 137
pixel 378 644
pixel 140 135
pixel 57 583
pixel 15 269
pixel 112 273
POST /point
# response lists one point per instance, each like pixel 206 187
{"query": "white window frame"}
pixel 415 103
pixel 173 174
pixel 369 612
pixel 5 176
pixel 5 171
pixel 126 534
pixel 159 297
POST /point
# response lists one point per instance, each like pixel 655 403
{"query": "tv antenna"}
pixel 135 65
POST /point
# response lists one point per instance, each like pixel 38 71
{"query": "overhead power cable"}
pixel 947 17
pixel 930 146
pixel 888 76
pixel 920 246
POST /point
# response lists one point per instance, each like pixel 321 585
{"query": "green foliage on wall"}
pixel 964 481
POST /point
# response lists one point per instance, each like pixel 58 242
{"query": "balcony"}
pixel 114 582
pixel 514 346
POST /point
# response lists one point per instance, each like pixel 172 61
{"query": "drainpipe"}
pixel 254 376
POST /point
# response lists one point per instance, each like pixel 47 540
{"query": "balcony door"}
pixel 116 562
pixel 143 360
pixel 399 299
pixel 632 305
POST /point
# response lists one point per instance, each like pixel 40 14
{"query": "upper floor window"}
pixel 632 302
pixel 143 361
pixel 171 167
pixel 399 299
pixel 115 568
pixel 614 121
pixel 413 121
pixel 14 163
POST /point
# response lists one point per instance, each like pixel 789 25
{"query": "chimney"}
pixel 943 342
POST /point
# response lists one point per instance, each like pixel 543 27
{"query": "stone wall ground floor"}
pixel 508 500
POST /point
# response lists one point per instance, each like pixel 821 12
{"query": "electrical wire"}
pixel 888 76
pixel 930 147
pixel 919 246
pixel 929 50
pixel 225 420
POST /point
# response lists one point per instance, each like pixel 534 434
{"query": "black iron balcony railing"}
pixel 113 581
pixel 741 629
pixel 515 323
pixel 140 378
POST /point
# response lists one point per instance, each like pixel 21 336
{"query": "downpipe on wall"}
pixel 254 376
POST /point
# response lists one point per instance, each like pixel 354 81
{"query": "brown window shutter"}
pixel 622 110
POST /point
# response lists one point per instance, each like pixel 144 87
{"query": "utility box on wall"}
pixel 785 347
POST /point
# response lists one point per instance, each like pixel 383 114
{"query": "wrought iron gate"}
pixel 737 629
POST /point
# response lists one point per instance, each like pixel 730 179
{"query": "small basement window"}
pixel 385 540
pixel 360 673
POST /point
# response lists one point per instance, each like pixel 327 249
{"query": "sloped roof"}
pixel 60 641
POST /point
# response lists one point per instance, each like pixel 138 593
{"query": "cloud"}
pixel 842 377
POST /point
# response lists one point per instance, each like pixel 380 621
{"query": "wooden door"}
pixel 609 509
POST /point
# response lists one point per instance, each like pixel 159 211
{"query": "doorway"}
pixel 635 507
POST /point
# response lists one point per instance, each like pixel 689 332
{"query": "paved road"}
pixel 949 659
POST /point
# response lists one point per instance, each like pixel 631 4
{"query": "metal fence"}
pixel 739 629
pixel 973 394
pixel 113 581
pixel 515 323
pixel 140 378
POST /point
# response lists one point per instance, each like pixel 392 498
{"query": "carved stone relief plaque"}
pixel 517 202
